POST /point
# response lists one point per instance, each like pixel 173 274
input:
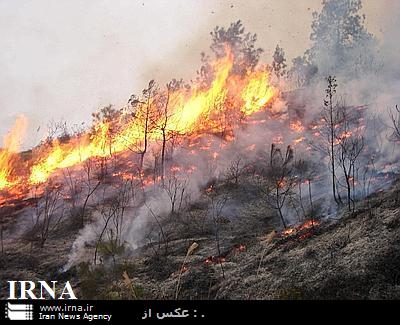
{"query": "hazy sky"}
pixel 64 59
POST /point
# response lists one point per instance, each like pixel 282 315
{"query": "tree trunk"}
pixel 164 142
pixel 279 207
pixel 310 196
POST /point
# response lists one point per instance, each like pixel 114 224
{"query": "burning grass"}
pixel 300 229
pixel 191 112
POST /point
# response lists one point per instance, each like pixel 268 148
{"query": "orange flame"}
pixel 192 111
pixel 304 226
pixel 11 143
pixel 257 93
pixel 297 126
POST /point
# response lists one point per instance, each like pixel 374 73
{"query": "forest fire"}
pixel 148 120
pixel 262 165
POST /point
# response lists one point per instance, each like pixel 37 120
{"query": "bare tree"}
pixel 163 123
pixel 57 130
pixel 72 193
pixel 394 115
pixel 235 170
pixel 1 239
pixel 107 214
pixel 113 212
pixel 306 172
pixel 144 116
pixel 217 204
pixel 369 173
pixel 175 186
pixel 162 234
pixel 91 182
pixel 48 213
pixel 164 129
pixel 351 145
pixel 280 179
pixel 331 120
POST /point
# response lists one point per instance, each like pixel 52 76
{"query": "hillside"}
pixel 350 257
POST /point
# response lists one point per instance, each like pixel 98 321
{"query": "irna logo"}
pixel 41 290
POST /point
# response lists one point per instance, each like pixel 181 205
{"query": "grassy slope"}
pixel 356 257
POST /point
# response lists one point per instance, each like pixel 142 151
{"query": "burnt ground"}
pixel 355 256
